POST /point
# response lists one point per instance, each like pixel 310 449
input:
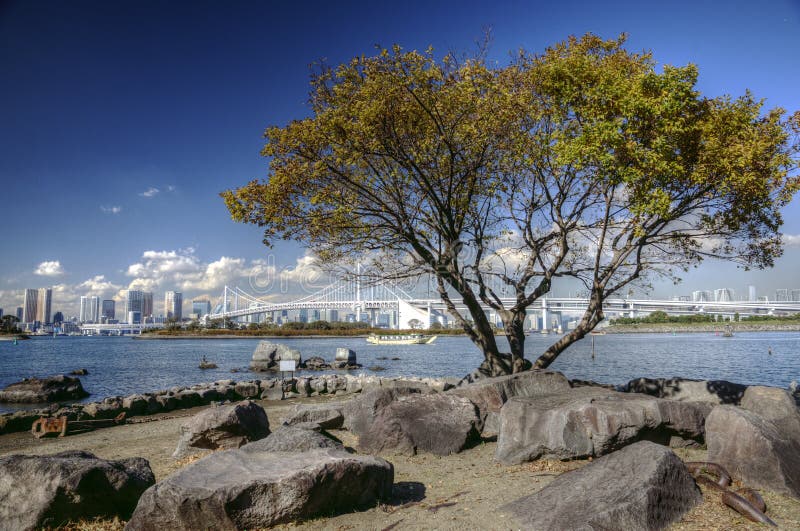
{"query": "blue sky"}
pixel 120 122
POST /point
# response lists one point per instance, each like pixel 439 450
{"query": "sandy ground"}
pixel 463 491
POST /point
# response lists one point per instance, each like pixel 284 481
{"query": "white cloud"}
pixel 170 188
pixel 791 240
pixel 150 192
pixel 49 269
pixel 111 209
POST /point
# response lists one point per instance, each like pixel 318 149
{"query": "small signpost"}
pixel 287 366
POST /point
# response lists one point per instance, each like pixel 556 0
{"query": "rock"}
pixel 360 412
pixel 48 491
pixel 434 423
pixel 20 420
pixel 754 450
pixel 223 427
pixel 489 394
pixel 79 372
pixel 711 391
pixel 319 386
pixel 345 358
pixel 328 416
pixel 189 398
pixel 335 383
pixel 267 356
pixel 166 402
pixel 776 405
pixel 266 489
pixel 303 386
pixel 53 389
pixel 107 409
pixel 315 363
pixel 642 487
pixel 247 389
pixel 590 422
pixel 292 439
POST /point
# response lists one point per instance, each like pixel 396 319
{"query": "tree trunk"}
pixel 592 316
pixel 514 325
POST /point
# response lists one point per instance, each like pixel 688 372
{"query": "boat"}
pixel 412 339
pixel 597 333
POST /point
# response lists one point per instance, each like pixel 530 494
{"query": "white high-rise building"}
pixel 751 294
pixel 29 305
pixel 723 295
pixel 36 306
pixel 173 305
pixel 90 310
pixel 702 296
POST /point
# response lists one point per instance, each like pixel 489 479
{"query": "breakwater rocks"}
pixel 220 391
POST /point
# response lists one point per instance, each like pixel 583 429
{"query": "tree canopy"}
pixel 585 161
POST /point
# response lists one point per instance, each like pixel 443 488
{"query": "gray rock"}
pixel 754 449
pixel 590 422
pixel 776 405
pixel 319 386
pixel 293 439
pixel 315 363
pixel 328 416
pixel 345 358
pixel 489 394
pixel 266 489
pixel 48 491
pixel 360 412
pixel 223 427
pixel 53 389
pixel 434 423
pixel 711 391
pixel 267 356
pixel 107 409
pixel 166 402
pixel 247 389
pixel 642 487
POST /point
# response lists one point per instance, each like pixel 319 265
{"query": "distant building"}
pixel 58 318
pixel 109 309
pixel 201 308
pixel 134 317
pixel 36 305
pixel 147 304
pixel 723 295
pixel 1 312
pixel 794 295
pixel 19 313
pixel 702 296
pixel 90 309
pixel 173 305
pixel 751 294
pixel 781 295
pixel 139 301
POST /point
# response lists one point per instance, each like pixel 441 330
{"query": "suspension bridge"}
pixel 367 302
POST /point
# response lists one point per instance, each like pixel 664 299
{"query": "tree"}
pixel 8 324
pixel 582 162
pixel 415 324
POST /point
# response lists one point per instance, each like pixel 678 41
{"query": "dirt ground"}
pixel 462 491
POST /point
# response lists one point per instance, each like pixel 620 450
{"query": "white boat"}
pixel 413 339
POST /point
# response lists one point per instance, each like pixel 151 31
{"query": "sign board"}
pixel 287 365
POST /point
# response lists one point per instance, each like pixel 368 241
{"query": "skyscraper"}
pixel 147 304
pixel 19 313
pixel 133 303
pixel 58 317
pixel 109 308
pixel 90 310
pixel 43 304
pixel 29 305
pixel 173 305
pixel 751 294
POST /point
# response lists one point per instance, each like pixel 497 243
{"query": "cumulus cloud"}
pixel 150 192
pixel 49 269
pixel 111 209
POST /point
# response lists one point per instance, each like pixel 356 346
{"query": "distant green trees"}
pixel 663 317
pixel 8 324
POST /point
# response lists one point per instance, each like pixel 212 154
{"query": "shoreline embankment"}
pixel 706 328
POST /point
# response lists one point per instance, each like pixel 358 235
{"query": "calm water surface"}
pixel 121 366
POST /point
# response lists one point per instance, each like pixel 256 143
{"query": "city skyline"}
pixel 141 134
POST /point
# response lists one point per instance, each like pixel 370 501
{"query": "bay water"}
pixel 121 366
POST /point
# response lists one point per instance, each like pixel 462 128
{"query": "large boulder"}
pixel 48 491
pixel 345 359
pixel 489 394
pixel 642 487
pixel 436 423
pixel 53 389
pixel 328 416
pixel 293 439
pixel 360 412
pixel 774 404
pixel 223 427
pixel 247 490
pixel 754 449
pixel 711 391
pixel 590 422
pixel 267 356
